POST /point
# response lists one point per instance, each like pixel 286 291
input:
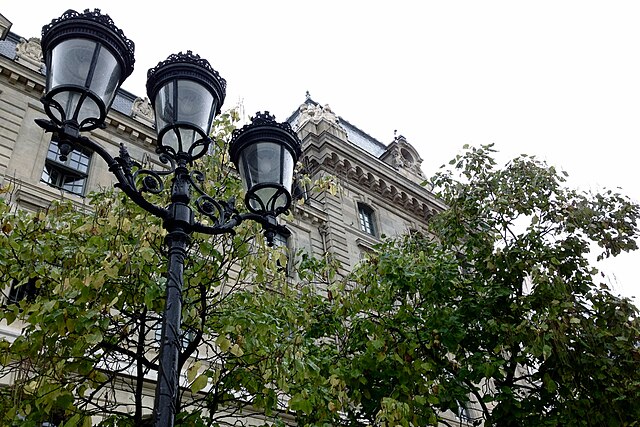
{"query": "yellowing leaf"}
pixel 236 350
pixel 193 371
pixel 7 227
pixel 223 343
pixel 199 383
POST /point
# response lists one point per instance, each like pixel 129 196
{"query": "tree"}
pixel 494 313
pixel 494 308
pixel 88 345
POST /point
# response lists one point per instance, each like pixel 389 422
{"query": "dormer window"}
pixel 367 219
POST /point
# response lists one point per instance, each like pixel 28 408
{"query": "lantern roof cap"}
pixel 91 25
pixel 260 121
pixel 189 66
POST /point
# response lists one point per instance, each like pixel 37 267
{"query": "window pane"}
pixel 279 240
pixel 365 214
pixel 53 151
pixel 70 175
pixel 74 184
pixel 51 175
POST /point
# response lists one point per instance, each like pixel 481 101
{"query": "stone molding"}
pixel 404 158
pixel 29 54
pixel 315 119
pixel 143 111
pixel 374 181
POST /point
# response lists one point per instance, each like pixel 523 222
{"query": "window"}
pixel 70 175
pixel 300 192
pixel 282 241
pixel 26 291
pixel 366 216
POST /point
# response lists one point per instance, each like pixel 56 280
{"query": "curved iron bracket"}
pixel 134 181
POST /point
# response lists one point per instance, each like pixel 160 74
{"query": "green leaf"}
pixel 199 383
pixel 300 403
pixel 546 351
pixel 223 343
pixel 93 338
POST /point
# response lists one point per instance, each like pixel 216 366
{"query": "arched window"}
pixel 367 219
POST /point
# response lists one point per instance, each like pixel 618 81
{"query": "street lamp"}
pixel 87 59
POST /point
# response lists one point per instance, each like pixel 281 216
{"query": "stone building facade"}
pixel 381 192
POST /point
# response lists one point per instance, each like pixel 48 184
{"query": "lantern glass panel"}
pixel 269 165
pixel 70 67
pixel 195 103
pixel 262 163
pixel 189 107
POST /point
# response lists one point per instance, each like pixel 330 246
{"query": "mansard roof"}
pixel 8 45
pixel 399 154
pixel 355 135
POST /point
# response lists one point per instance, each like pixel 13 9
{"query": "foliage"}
pixel 495 309
pixel 88 344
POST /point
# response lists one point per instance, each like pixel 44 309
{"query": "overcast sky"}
pixel 556 79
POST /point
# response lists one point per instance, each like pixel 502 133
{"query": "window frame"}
pixel 27 291
pixel 367 219
pixel 281 240
pixel 70 172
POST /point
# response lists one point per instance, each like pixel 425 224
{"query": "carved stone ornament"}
pixel 316 113
pixel 402 156
pixel 142 110
pixel 29 53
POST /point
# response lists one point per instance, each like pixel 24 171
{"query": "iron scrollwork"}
pixel 141 179
pixel 134 180
pixel 220 212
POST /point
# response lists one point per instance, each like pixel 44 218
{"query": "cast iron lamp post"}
pixel 87 59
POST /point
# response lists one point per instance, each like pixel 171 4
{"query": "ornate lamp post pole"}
pixel 87 60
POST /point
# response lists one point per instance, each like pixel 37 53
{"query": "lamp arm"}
pixel 121 168
pixel 268 222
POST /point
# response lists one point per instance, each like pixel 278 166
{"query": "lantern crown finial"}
pixel 74 24
pixel 266 119
pixel 191 58
pixel 173 66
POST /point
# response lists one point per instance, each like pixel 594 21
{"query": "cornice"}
pixel 133 130
pixel 356 166
pixel 309 213
pixel 22 77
